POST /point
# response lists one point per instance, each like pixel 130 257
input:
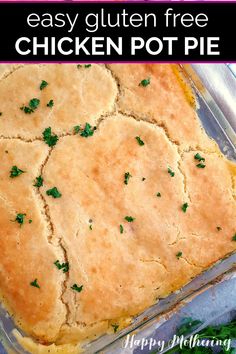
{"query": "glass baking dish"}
pixel 214 86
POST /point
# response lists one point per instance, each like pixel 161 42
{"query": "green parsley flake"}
pixel 15 171
pixel 115 327
pixel 30 221
pixel 121 229
pixel 43 85
pixel 26 109
pixel 90 226
pixel 77 288
pixel 87 131
pixel 38 181
pixel 127 177
pixel 20 218
pixel 201 165
pixel 145 82
pixel 50 104
pixel 234 237
pixel 171 173
pixel 54 192
pixel 33 104
pixel 86 66
pixel 129 218
pixel 184 207
pixel 218 228
pixel 158 194
pixel 62 266
pixel 179 254
pixel 77 129
pixel 35 284
pixel 49 139
pixel 199 157
pixel 139 140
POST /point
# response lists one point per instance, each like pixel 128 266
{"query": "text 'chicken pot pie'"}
pixel 111 197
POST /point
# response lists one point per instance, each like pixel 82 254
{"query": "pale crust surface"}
pixel 79 95
pixel 121 273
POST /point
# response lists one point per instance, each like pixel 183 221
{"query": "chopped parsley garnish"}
pixel 77 288
pixel 234 237
pixel 15 171
pixel 54 192
pixel 158 194
pixel 171 173
pixel 38 181
pixel 50 104
pixel 87 131
pixel 184 207
pixel 201 165
pixel 129 218
pixel 43 85
pixel 127 177
pixel 90 226
pixel 139 140
pixel 115 327
pixel 33 104
pixel 86 66
pixel 121 229
pixel 77 129
pixel 27 110
pixel 63 266
pixel 30 221
pixel 218 228
pixel 35 283
pixel 179 254
pixel 145 82
pixel 49 139
pixel 20 218
pixel 199 157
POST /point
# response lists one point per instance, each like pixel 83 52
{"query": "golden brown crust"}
pixel 26 253
pixel 164 101
pixel 121 273
pixel 79 94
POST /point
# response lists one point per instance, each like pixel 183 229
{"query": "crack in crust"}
pixel 117 82
pixel 11 71
pixel 52 238
pixel 154 261
pixel 64 285
pixel 45 205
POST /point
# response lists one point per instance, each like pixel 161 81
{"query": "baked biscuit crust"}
pixel 120 265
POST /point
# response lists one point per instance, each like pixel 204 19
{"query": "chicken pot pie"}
pixel 111 197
